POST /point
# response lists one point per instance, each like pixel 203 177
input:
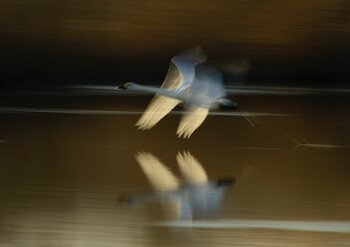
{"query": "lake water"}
pixel 66 159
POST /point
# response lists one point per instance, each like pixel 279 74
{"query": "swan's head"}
pixel 227 104
pixel 126 86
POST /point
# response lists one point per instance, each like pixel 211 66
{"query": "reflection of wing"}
pixel 192 119
pixel 158 175
pixel 177 208
pixel 156 110
pixel 191 169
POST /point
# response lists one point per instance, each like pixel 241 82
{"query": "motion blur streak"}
pixel 231 90
pixel 312 226
pixel 106 112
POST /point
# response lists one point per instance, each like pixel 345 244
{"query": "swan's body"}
pixel 190 81
pixel 196 198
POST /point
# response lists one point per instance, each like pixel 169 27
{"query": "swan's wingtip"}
pixel 142 127
pixel 180 133
pixel 142 154
pixel 184 135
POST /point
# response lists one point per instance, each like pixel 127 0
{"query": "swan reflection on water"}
pixel 190 81
pixel 197 197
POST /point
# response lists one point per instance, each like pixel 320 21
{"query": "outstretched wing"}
pixel 161 105
pixel 157 109
pixel 160 177
pixel 192 171
pixel 173 79
pixel 181 70
pixel 206 89
pixel 191 120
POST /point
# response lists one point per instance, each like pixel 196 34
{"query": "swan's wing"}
pixel 207 84
pixel 192 55
pixel 158 108
pixel 181 70
pixel 180 73
pixel 191 120
pixel 173 79
pixel 192 171
pixel 160 177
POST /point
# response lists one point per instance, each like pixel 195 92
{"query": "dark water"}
pixel 61 171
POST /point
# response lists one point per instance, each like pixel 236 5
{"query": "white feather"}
pixel 192 171
pixel 160 177
pixel 192 119
pixel 159 107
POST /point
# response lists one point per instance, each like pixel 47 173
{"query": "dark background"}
pixel 49 43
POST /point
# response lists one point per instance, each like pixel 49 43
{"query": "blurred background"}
pixel 68 140
pixel 52 42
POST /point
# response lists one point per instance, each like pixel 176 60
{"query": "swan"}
pixel 190 81
pixel 196 197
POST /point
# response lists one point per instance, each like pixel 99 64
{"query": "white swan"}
pixel 191 81
pixel 197 197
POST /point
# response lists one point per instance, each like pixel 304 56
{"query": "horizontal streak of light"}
pixel 245 90
pixel 257 148
pixel 314 145
pixel 286 90
pixel 115 112
pixel 314 226
pixel 309 145
pixel 239 90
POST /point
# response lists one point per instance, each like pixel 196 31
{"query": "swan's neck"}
pixel 156 90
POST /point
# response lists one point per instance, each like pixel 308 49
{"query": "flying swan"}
pixel 190 81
